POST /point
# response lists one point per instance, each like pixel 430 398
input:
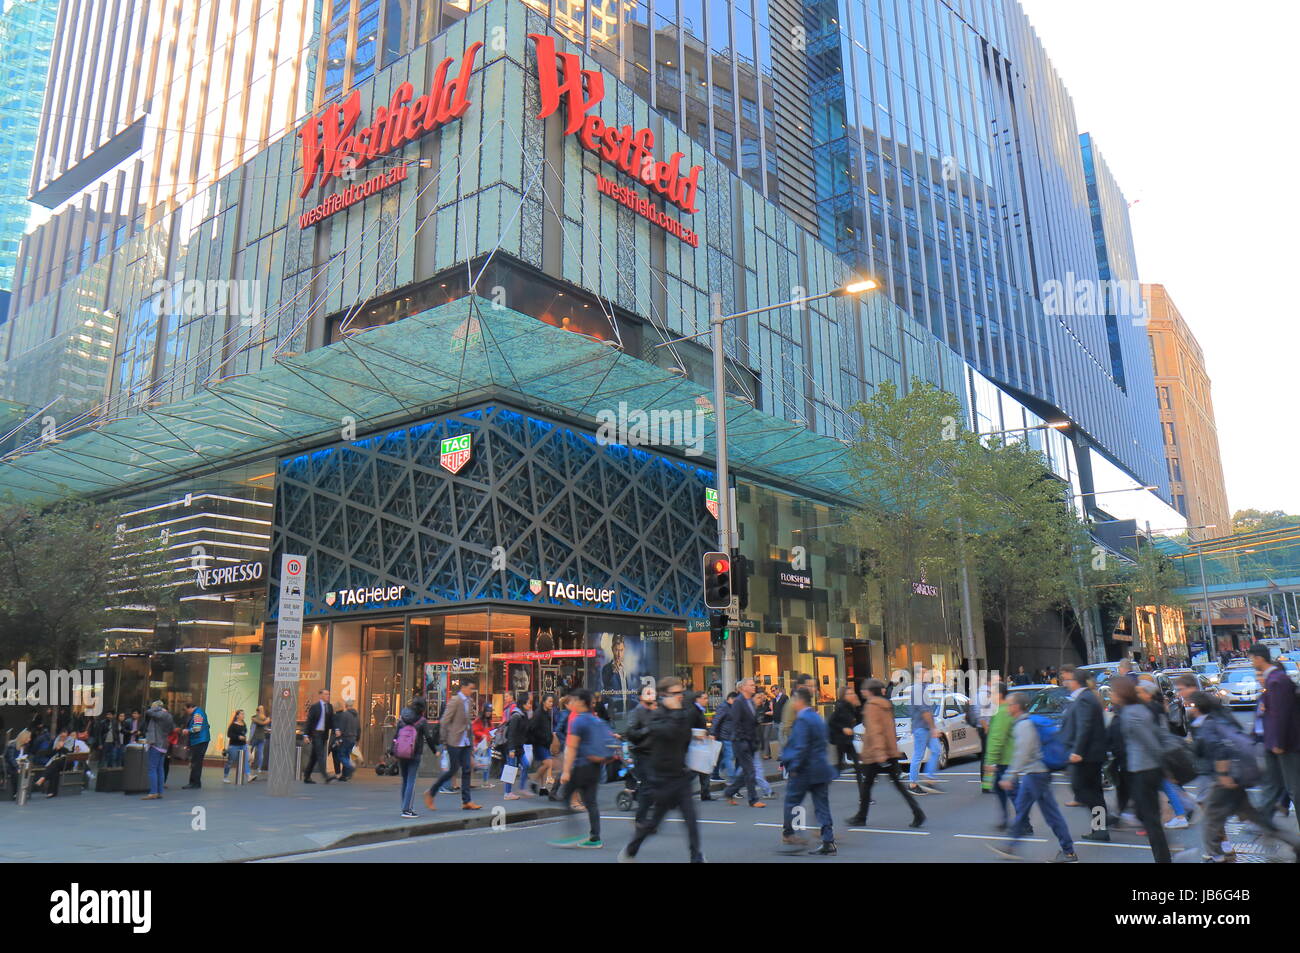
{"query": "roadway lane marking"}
pixel 1094 843
pixel 1025 840
pixel 668 820
pixel 878 830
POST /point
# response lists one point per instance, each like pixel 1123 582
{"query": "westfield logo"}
pixel 332 144
pixel 562 77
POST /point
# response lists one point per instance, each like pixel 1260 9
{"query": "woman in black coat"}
pixel 847 713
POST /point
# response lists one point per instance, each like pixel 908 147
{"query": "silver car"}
pixel 1239 688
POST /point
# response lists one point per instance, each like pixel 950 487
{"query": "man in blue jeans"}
pixel 457 730
pixel 804 757
pixel 925 737
pixel 1035 780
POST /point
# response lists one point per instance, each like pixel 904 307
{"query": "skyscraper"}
pixel 1191 437
pixel 26 35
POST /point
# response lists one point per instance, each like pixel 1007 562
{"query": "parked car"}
pixel 1212 672
pixel 1101 673
pixel 954 714
pixel 1240 687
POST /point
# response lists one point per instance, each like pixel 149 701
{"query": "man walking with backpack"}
pixel 1277 723
pixel 1226 758
pixel 589 745
pixel 1027 767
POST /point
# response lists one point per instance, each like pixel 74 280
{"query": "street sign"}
pixel 288 641
pixel 702 625
pixel 288 670
pixel 733 611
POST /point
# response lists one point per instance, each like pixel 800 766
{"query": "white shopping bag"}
pixel 509 773
pixel 702 755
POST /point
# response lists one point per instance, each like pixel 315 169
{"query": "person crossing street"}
pixel 804 757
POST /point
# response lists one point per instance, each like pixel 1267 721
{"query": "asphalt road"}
pixel 959 829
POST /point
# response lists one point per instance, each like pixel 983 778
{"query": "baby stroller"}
pixel 626 798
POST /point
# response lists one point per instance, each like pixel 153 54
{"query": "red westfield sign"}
pixel 630 150
pixel 332 144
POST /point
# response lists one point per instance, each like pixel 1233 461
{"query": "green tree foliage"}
pixel 1256 521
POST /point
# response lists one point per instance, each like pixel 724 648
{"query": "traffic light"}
pixel 718 631
pixel 717 581
pixel 740 580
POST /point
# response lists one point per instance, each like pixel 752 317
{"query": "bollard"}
pixel 24 782
pixel 241 767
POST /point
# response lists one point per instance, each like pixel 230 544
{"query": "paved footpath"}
pixel 227 822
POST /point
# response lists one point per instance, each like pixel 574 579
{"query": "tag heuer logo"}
pixel 535 585
pixel 329 598
pixel 711 501
pixel 455 453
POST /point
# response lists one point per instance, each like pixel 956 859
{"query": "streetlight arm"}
pixel 722 319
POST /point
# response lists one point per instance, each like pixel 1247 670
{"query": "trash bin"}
pixel 108 780
pixel 135 769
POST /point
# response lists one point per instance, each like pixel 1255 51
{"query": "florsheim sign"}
pixel 335 144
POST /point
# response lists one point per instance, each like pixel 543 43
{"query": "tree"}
pixel 1152 580
pixel 906 466
pixel 1025 542
pixel 1257 521
pixel 64 576
pixel 56 577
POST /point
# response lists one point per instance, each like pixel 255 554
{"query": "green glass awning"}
pixel 385 375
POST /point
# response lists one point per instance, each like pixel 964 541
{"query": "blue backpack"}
pixel 1055 757
pixel 603 737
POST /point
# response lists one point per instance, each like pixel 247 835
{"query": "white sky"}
pixel 1193 104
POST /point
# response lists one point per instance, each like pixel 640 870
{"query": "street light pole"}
pixel 726 514
pixel 723 470
pixel 1206 631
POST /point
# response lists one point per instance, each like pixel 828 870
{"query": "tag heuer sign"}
pixel 455 453
pixel 711 501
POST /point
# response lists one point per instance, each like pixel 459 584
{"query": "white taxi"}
pixel 959 737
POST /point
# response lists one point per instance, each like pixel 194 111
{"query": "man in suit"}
pixel 318 727
pixel 1083 732
pixel 804 756
pixel 457 732
pixel 617 680
pixel 743 721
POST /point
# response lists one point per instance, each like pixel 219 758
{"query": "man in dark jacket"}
pixel 804 756
pixel 1277 722
pixel 1083 732
pixel 743 721
pixel 319 727
pixel 637 734
pixel 669 732
pixel 722 732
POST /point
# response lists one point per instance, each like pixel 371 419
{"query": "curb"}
pixel 380 835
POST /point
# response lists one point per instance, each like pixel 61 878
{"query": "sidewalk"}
pixel 227 822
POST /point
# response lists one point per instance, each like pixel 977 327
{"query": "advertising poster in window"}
pixel 436 679
pixel 629 654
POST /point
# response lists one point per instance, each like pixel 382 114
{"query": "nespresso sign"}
pixel 333 146
pixel 237 576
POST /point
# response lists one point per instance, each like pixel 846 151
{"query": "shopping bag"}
pixel 702 755
pixel 509 773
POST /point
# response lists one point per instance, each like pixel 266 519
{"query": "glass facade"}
pixel 26 36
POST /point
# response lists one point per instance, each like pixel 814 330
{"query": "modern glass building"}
pixel 26 35
pixel 394 330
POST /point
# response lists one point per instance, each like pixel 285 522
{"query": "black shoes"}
pixel 857 820
pixel 827 849
pixel 917 821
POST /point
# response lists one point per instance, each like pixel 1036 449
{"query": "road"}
pixel 958 830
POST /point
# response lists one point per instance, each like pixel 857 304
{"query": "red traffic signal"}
pixel 717 581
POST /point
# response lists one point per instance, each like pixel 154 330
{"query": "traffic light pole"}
pixel 725 541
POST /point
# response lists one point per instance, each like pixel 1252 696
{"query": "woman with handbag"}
pixel 1150 695
pixel 236 745
pixel 1142 752
pixel 261 735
